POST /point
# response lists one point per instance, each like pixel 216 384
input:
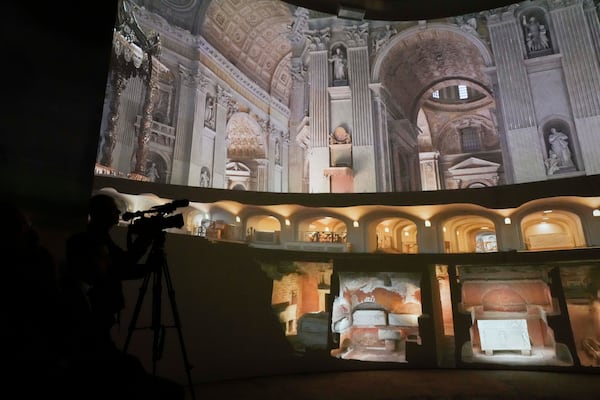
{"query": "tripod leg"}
pixel 156 320
pixel 177 321
pixel 136 311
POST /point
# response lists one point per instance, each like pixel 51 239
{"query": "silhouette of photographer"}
pixel 92 297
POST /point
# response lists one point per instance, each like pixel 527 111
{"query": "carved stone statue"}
pixel 339 65
pixel 152 173
pixel 536 35
pixel 559 148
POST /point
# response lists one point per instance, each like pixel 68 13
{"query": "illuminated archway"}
pixel 322 230
pixel 396 235
pixel 552 229
pixel 469 234
pixel 263 229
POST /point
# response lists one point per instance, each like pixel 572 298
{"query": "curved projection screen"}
pixel 269 97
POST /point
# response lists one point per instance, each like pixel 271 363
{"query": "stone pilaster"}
pixel 319 121
pixel 591 15
pixel 295 160
pixel 582 77
pixel 430 171
pixel 514 95
pixel 184 126
pixel 219 179
pixel 381 142
pixel 362 118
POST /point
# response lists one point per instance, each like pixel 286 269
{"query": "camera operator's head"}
pixel 103 212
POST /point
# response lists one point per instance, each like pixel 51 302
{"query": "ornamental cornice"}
pixel 502 14
pixel 556 4
pixel 225 65
pixel 160 24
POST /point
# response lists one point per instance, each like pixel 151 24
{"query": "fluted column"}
pixel 297 114
pixel 362 118
pixel 515 98
pixel 582 77
pixel 381 142
pixel 365 172
pixel 319 121
pixel 591 14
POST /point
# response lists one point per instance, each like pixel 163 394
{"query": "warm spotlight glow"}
pixel 427 223
pixel 507 221
pixel 406 233
pixel 326 229
pixel 287 222
pixel 386 229
pixel 237 218
pixel 444 228
pixel 596 213
pixel 547 211
pixel 355 224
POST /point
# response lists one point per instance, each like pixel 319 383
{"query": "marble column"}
pixel 582 77
pixel 381 142
pixel 187 92
pixel 363 157
pixel 297 107
pixel 514 95
pixel 319 121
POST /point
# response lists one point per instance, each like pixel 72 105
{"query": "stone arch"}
pixel 417 58
pixel 552 229
pixel 462 234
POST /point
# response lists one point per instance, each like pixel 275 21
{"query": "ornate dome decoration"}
pixel 253 35
pixel 244 137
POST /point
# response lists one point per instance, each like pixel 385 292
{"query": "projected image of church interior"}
pixel 414 191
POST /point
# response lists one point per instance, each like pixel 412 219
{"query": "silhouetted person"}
pixel 28 301
pixel 92 297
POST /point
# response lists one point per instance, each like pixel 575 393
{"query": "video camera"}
pixel 155 219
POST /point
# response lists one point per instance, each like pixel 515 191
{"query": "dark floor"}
pixel 409 384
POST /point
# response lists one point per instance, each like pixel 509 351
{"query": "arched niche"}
pixel 469 234
pixel 263 228
pixel 396 235
pixel 552 230
pixel 322 230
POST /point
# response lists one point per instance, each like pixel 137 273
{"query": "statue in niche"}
pixel 536 35
pixel 339 65
pixel 152 173
pixel 559 148
pixel 209 112
pixel 277 152
pixel 205 177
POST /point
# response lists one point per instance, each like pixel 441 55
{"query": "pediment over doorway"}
pixel 474 165
pixel 472 172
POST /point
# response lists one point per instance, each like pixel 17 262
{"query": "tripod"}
pixel 159 270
